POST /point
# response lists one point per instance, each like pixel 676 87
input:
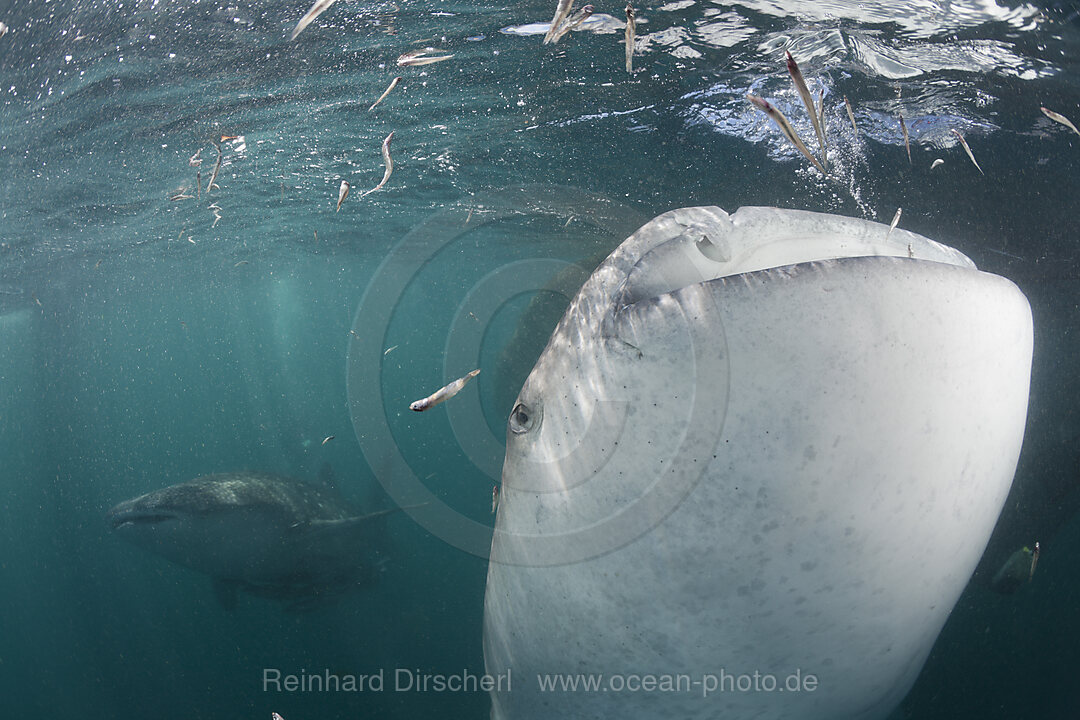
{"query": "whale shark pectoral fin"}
pixel 225 592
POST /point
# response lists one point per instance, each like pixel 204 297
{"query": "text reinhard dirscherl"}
pixel 409 680
pixel 399 680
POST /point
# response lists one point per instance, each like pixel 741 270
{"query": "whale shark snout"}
pixel 768 443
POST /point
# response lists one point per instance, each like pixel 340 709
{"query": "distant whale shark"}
pixel 268 535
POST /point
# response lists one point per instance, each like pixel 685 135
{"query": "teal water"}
pixel 144 341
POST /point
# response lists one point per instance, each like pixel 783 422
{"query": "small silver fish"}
pixel 196 159
pixel 782 122
pixel 389 350
pixel 963 142
pixel 180 195
pixel 393 84
pixel 1058 118
pixel 851 115
pixel 316 10
pixel 343 192
pixel 631 30
pixel 3 29
pixel 387 161
pixel 579 17
pixel 198 183
pixel 894 223
pixel 217 167
pixel 327 439
pixel 443 394
pixel 1034 561
pixel 824 133
pixel 494 498
pixel 275 716
pixel 807 98
pixel 907 145
pixel 561 11
pixel 421 57
pixel 936 162
pixel 573 21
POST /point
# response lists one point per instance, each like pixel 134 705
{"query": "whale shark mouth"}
pixel 134 518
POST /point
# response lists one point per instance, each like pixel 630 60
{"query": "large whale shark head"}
pixel 268 535
pixel 765 445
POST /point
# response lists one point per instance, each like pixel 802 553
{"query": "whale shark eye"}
pixel 523 419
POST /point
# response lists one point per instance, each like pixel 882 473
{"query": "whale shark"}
pixel 267 535
pixel 752 471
